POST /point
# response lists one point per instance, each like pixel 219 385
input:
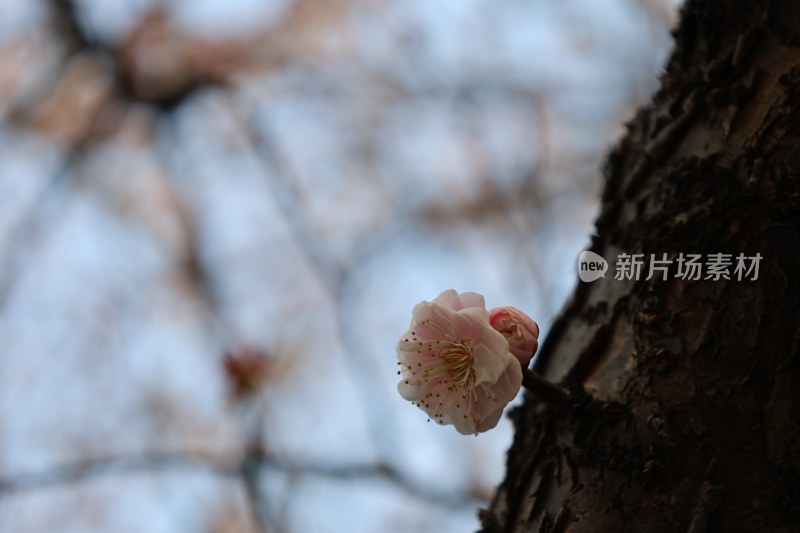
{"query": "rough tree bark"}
pixel 685 395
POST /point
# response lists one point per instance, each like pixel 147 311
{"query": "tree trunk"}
pixel 684 412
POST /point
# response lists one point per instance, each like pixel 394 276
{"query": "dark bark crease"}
pixel 685 410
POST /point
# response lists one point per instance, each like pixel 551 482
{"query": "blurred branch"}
pixel 250 470
pixel 247 468
pixel 332 274
pixel 34 224
pixel 67 17
pixel 113 465
pixel 291 202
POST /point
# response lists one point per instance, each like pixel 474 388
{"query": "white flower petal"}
pixel 463 422
pixel 410 391
pixel 422 311
pixel 491 420
pixel 488 365
pixel 509 383
pixel 472 299
pixel 448 299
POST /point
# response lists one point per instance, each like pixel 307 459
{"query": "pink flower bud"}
pixel 521 332
pixel 455 366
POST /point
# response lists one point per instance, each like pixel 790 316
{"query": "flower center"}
pixel 455 358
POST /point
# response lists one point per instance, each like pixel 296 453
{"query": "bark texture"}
pixel 685 395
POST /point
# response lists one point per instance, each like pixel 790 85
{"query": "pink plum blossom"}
pixel 521 332
pixel 455 366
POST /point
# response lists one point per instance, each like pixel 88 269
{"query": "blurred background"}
pixel 215 218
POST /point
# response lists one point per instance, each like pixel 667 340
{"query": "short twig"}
pixel 545 390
